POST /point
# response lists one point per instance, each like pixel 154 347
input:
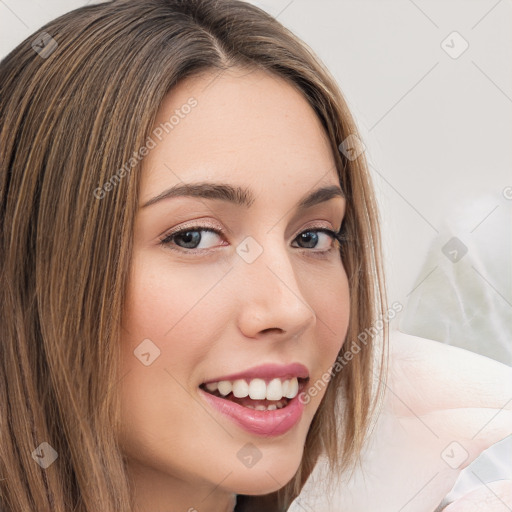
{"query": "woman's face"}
pixel 260 307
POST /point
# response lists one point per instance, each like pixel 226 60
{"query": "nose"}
pixel 270 298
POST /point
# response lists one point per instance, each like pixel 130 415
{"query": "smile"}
pixel 266 404
pixel 257 393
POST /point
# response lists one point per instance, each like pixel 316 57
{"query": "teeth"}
pixel 212 386
pixel 225 387
pixel 240 388
pixel 257 389
pixel 293 388
pixel 271 407
pixel 274 390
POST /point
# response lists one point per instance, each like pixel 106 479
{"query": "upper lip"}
pixel 267 371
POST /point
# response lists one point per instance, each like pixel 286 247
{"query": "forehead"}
pixel 247 127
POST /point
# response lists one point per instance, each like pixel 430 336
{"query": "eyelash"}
pixel 166 241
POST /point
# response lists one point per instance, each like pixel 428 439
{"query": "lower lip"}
pixel 262 423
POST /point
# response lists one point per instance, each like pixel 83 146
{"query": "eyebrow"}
pixel 240 196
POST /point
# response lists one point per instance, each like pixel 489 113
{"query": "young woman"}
pixel 189 240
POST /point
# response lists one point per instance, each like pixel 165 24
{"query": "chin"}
pixel 272 472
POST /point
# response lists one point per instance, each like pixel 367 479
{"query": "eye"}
pixel 191 237
pixel 313 237
pixel 189 240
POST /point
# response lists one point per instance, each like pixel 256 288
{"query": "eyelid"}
pixel 198 224
pixel 337 239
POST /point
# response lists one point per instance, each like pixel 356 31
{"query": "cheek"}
pixel 332 307
pixel 167 305
pixel 175 317
pixel 165 333
pixel 331 303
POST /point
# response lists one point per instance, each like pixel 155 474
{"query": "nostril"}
pixel 272 329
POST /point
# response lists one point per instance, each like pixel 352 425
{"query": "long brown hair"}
pixel 70 118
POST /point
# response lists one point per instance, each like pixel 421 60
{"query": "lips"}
pixel 267 372
pixel 263 400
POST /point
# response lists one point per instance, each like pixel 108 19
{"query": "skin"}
pixel 212 313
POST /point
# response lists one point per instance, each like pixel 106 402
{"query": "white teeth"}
pixel 225 387
pixel 274 390
pixel 212 386
pixel 240 388
pixel 271 407
pixel 293 388
pixel 257 389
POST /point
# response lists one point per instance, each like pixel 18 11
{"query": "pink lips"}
pixel 263 423
pixel 268 371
